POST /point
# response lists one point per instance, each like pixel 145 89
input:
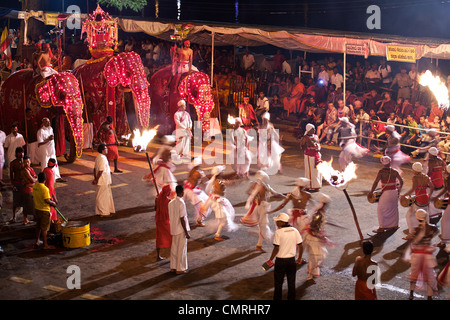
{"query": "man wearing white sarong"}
pixel 435 170
pixel 348 143
pixel 183 127
pixel 257 205
pixel 193 193
pixel 12 141
pixel 445 220
pixel 387 209
pixel 104 203
pixel 420 255
pixel 222 209
pixel 311 147
pixel 240 150
pixel 179 229
pixel 393 148
pixel 46 147
pixel 164 167
pixel 269 149
pixel 422 188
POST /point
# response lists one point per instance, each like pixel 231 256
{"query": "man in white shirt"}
pixel 15 64
pixel 286 67
pixel 46 147
pixel 287 243
pixel 104 203
pixel 183 127
pixel 323 76
pixel 179 229
pixel 12 141
pixel 386 73
pixel 262 106
pixel 373 77
pixel 249 60
pixel 337 79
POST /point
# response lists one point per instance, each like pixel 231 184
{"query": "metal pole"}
pixel 345 71
pixel 153 175
pixel 212 59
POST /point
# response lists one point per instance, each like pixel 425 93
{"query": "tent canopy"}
pixel 302 39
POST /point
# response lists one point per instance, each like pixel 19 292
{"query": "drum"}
pixel 407 201
pixel 375 196
pixel 441 203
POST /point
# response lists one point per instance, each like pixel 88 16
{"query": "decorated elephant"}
pixel 115 86
pixel 112 85
pixel 56 98
pixel 167 89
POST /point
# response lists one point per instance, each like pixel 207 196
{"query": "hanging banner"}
pixel 402 54
pixel 51 19
pixel 358 49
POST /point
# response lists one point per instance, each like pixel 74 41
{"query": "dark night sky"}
pixel 412 18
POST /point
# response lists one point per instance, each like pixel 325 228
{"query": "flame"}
pixel 334 177
pixel 140 141
pixel 436 86
pixel 231 119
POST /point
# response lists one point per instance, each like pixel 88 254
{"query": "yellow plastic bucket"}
pixel 76 234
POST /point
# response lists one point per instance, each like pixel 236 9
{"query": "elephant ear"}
pixel 127 70
pixel 63 90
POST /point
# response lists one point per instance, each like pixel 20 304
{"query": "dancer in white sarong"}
pixel 387 209
pixel 311 149
pixel 314 240
pixel 46 147
pixel 348 143
pixel 183 127
pixel 435 170
pixel 257 206
pixel 164 168
pixel 299 197
pixel 215 173
pixel 393 149
pixel 422 188
pixel 222 208
pixel 193 193
pixel 239 148
pixel 269 149
pixel 445 220
pixel 420 255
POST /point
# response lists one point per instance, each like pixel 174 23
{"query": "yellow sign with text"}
pixel 403 54
pixel 51 19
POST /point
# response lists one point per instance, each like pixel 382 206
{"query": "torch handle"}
pixel 354 215
pixel 153 175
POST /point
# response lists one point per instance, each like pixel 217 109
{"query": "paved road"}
pixel 121 261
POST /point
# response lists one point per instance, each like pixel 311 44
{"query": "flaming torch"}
pixel 437 87
pixel 340 181
pixel 140 143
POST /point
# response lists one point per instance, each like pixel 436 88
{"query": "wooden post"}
pixel 355 218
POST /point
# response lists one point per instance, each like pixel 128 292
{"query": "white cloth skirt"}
pixel 312 173
pixel 387 209
pixel 104 203
pixel 178 253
